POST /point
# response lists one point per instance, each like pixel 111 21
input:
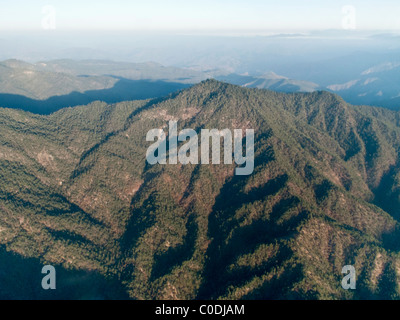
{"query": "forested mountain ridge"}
pixel 76 191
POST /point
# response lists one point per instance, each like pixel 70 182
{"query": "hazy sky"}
pixel 289 15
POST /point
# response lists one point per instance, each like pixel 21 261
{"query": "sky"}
pixel 283 15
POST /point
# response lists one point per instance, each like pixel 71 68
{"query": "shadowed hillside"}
pixel 21 279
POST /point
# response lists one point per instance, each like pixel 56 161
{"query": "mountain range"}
pixel 377 85
pixel 47 86
pixel 76 192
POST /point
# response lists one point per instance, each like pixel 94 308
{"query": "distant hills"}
pixel 130 71
pixel 32 81
pixel 270 81
pixel 45 87
pixel 48 86
pixel 76 192
pixel 377 85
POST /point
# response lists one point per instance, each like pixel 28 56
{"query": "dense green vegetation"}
pixel 76 192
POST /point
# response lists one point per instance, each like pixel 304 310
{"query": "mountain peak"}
pixel 272 75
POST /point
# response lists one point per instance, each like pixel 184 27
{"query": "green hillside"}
pixel 76 192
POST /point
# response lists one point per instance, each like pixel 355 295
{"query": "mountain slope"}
pixel 76 191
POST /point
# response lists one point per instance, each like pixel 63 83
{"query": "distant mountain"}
pixel 77 192
pixel 46 87
pixel 21 78
pixel 271 81
pixel 377 85
pixel 131 71
pixel 334 58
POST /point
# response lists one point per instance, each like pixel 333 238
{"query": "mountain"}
pixel 377 85
pixel 270 81
pixel 131 71
pixel 21 78
pixel 46 87
pixel 76 192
